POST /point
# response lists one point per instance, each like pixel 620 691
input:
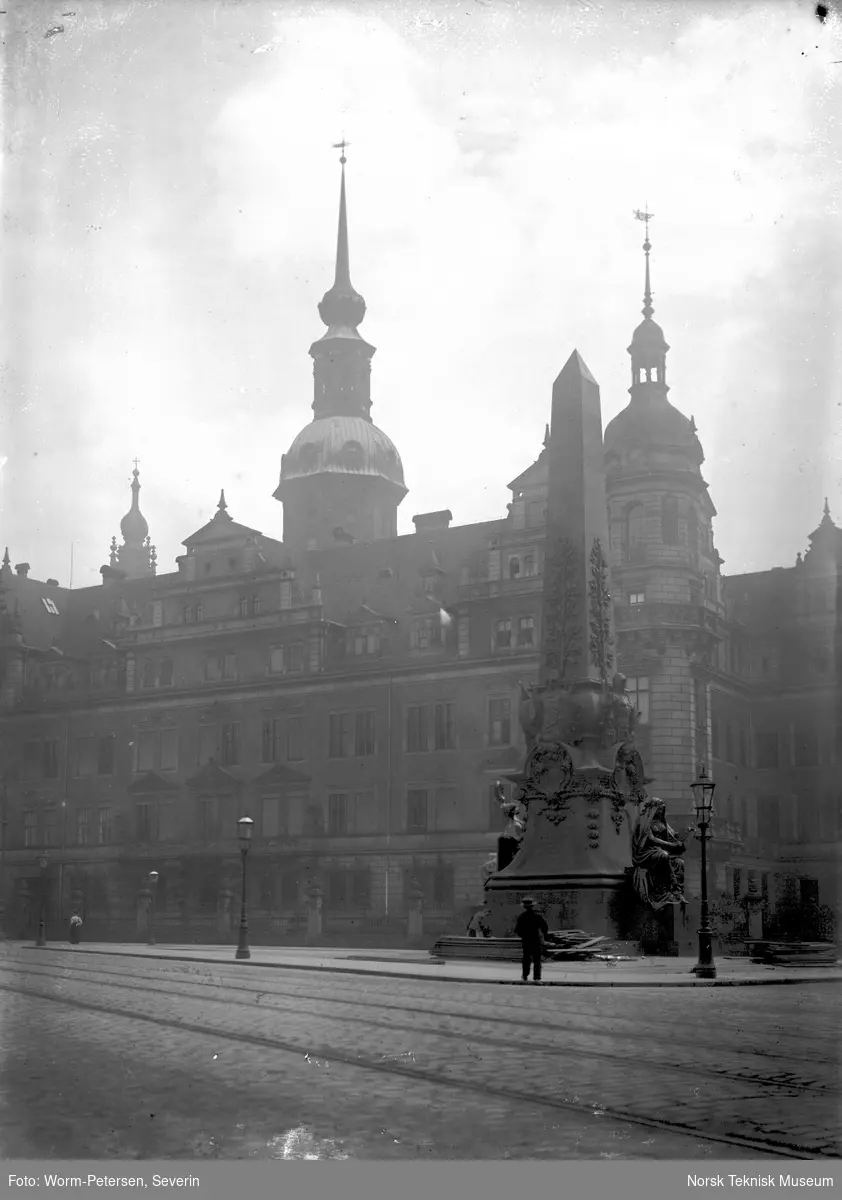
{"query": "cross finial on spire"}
pixel 136 463
pixel 342 146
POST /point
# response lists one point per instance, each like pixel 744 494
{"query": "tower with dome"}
pixel 665 569
pixel 342 478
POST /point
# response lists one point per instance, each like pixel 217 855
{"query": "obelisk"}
pixel 574 857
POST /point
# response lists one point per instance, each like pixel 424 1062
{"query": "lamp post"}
pixel 41 939
pixel 153 882
pixel 703 789
pixel 244 828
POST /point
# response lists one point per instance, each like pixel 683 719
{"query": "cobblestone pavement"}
pixel 126 1058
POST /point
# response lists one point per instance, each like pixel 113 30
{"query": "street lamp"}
pixel 153 880
pixel 703 789
pixel 244 828
pixel 41 939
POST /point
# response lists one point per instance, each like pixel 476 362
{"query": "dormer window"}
pixel 363 641
pixel 426 633
pixel 352 456
pixel 307 456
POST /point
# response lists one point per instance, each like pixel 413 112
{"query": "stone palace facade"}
pixel 357 692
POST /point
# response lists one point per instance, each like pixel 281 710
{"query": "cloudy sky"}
pixel 171 197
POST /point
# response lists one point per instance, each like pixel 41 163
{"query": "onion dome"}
pixel 133 526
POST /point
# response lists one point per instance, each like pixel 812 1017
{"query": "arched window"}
pixel 669 521
pixel 514 567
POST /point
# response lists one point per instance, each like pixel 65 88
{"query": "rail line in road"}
pixel 170 984
pixel 514 1023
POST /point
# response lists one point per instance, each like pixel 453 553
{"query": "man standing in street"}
pixel 531 928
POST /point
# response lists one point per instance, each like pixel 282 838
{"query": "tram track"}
pixel 329 1051
pixel 591 1024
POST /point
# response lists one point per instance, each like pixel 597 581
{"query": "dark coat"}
pixel 531 928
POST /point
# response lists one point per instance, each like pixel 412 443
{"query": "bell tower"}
pixel 342 478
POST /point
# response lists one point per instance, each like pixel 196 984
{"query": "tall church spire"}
pixel 342 359
pixel 342 305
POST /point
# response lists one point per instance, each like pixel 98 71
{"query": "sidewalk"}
pixel 417 964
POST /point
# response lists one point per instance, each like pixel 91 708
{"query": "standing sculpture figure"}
pixel 531 715
pixel 508 843
pixel 656 857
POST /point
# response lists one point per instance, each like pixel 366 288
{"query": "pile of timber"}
pixel 574 945
pixel 567 945
pixel 794 954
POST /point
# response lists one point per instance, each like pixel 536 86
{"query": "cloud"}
pixel 188 225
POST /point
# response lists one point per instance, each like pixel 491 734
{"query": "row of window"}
pixel 771 748
pixel 676 530
pixel 349 813
pixel 426 633
pixel 351 734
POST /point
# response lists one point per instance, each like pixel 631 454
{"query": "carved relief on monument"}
pixel 601 640
pixel 561 622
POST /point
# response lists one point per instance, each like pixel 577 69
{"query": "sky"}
pixel 170 201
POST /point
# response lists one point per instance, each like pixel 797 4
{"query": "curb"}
pixel 832 977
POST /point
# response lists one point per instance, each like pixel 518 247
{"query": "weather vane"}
pixel 644 215
pixel 341 146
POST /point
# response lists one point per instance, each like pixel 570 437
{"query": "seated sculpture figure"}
pixel 656 857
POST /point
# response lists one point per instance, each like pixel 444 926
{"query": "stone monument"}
pixel 582 770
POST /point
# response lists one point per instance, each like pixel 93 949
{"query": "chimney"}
pixel 52 583
pixel 107 573
pixel 430 522
pixel 22 569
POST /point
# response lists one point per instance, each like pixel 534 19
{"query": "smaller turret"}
pixel 137 556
